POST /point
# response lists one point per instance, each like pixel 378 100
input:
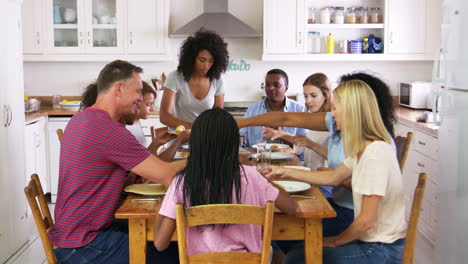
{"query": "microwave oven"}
pixel 414 94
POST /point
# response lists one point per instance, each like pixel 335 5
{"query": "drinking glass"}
pixel 261 144
pixel 56 102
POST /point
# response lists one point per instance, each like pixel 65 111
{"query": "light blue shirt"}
pixel 255 132
pixel 340 195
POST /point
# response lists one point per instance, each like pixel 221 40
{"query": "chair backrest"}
pixel 40 210
pixel 408 253
pixel 225 214
pixel 402 145
pixel 60 134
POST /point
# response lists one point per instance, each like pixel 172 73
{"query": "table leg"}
pixel 137 240
pixel 313 241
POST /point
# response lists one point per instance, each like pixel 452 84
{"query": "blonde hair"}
pixel 360 116
pixel 320 80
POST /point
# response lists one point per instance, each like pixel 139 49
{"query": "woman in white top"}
pixel 379 228
pixel 196 85
pixel 317 89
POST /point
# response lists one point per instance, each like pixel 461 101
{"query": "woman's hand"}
pixel 271 133
pixel 162 136
pixel 275 173
pixel 303 141
pixel 184 136
pixel 329 242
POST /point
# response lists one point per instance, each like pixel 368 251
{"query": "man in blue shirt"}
pixel 276 85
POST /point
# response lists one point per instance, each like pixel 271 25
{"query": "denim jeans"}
pixel 356 252
pixel 336 225
pixel 111 246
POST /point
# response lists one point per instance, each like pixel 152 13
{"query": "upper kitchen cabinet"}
pixel 84 26
pixel 33 33
pixel 95 30
pixel 298 30
pixel 414 26
pixel 283 27
pixel 149 37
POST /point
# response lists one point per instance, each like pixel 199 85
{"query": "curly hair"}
pixel 203 40
pixel 382 93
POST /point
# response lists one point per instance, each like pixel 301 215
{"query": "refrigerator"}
pixel 450 80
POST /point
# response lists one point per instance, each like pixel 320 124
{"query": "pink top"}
pixel 256 190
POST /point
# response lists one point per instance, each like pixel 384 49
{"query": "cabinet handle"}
pixel 421 164
pixel 422 143
pixel 299 35
pixel 38 38
pixel 11 115
pixel 5 116
pixel 391 37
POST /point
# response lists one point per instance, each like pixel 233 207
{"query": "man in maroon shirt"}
pixel 96 151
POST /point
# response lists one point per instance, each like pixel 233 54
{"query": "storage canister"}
pixel 351 16
pixel 314 42
pixel 375 15
pixel 343 46
pixel 325 16
pixel 356 46
pixel 339 15
pixel 311 19
pixel 363 17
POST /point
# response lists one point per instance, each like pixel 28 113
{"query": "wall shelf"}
pixel 344 26
pixel 347 57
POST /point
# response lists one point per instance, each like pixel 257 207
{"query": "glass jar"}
pixel 375 15
pixel 363 17
pixel 365 45
pixel 311 18
pixel 325 16
pixel 314 43
pixel 339 15
pixel 351 16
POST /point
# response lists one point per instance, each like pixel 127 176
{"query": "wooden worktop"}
pixel 408 116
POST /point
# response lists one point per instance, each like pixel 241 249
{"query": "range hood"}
pixel 217 18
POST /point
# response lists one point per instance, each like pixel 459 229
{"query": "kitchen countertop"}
pixel 404 115
pixel 49 111
pixel 408 116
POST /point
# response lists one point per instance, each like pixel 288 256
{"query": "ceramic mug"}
pixel 69 15
pixel 105 19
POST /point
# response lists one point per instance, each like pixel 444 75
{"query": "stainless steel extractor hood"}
pixel 217 18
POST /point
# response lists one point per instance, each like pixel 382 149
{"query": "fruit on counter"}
pixel 179 129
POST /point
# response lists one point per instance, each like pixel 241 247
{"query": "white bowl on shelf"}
pixel 70 106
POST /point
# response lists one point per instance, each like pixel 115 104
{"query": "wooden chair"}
pixel 60 134
pixel 225 214
pixel 402 146
pixel 40 210
pixel 408 253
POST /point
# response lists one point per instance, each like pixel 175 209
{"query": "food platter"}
pixel 146 189
pixel 293 186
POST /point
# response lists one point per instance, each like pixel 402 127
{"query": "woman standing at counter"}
pixel 196 85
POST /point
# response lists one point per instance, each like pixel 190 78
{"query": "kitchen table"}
pixel 305 225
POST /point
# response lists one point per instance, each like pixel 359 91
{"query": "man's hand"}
pixel 162 135
pixel 329 242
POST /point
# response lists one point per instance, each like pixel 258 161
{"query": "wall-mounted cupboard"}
pixel 95 30
pixel 404 30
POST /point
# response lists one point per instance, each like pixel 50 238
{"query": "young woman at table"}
pixel 196 85
pixel 214 176
pixel 377 233
pixel 317 89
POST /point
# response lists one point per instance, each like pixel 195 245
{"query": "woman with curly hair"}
pixel 197 84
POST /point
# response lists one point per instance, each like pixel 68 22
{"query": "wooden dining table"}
pixel 305 225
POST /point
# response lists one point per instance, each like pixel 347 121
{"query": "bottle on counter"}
pixel 311 18
pixel 330 44
pixel 339 15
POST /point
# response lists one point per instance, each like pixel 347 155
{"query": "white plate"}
pixel 277 155
pixel 178 155
pixel 175 133
pixel 298 167
pixel 274 146
pixel 243 151
pixel 185 146
pixel 293 186
pixel 146 189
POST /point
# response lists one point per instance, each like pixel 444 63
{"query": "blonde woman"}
pixel 377 233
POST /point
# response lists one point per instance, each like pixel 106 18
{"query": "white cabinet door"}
pixel 54 152
pixel 283 26
pixel 147 24
pixel 406 26
pixel 433 25
pixel 14 160
pixel 33 34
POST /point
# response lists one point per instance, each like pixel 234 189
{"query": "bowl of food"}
pixel 70 105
